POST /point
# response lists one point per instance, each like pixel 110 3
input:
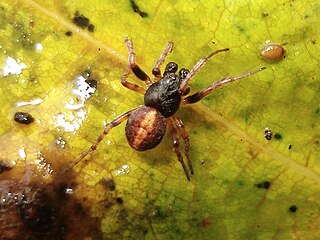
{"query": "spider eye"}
pixel 183 73
pixel 171 67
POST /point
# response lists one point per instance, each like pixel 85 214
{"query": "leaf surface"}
pixel 244 186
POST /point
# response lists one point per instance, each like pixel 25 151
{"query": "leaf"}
pixel 244 186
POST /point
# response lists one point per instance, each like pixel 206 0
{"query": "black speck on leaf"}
pixel 278 136
pixel 68 33
pixel 80 20
pixel 23 118
pixel 92 83
pixel 136 9
pixel 90 27
pixel 293 208
pixel 263 184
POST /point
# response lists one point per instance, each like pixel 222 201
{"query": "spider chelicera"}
pixel 163 96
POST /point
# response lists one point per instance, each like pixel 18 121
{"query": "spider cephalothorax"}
pixel 164 95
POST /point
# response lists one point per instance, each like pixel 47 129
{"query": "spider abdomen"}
pixel 145 128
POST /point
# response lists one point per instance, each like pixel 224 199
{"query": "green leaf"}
pixel 244 186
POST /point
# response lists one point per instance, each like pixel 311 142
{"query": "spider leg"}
pixel 201 94
pixel 185 82
pixel 184 134
pixel 130 85
pixel 133 66
pixel 156 69
pixel 176 145
pixel 115 122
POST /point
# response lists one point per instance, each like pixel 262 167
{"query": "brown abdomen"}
pixel 145 128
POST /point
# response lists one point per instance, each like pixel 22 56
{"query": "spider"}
pixel 146 124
